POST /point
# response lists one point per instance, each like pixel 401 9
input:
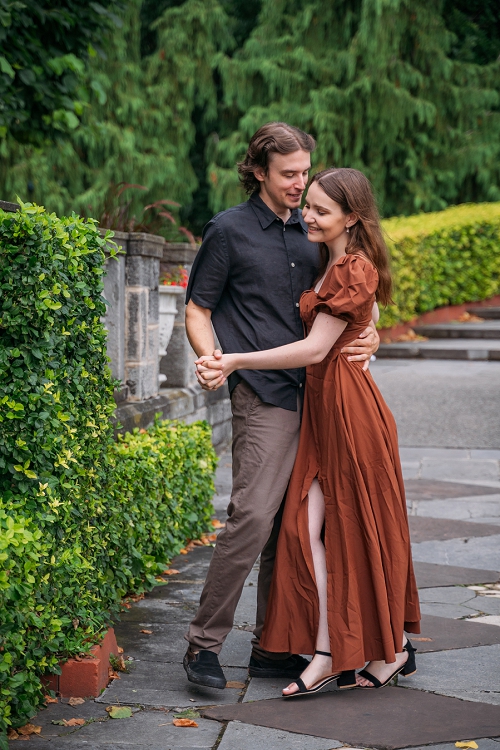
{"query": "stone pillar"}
pixel 177 365
pixel 114 320
pixel 142 269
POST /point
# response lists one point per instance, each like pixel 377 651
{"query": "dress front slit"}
pixel 348 441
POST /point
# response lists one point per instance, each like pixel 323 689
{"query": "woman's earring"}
pixel 347 230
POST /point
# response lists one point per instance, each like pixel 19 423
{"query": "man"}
pixel 253 265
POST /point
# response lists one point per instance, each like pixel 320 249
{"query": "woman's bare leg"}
pixel 320 666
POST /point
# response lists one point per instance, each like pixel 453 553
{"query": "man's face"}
pixel 285 181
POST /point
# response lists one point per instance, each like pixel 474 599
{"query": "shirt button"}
pixel 292 265
pixel 300 385
pixel 296 304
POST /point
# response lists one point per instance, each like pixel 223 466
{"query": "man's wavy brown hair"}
pixel 353 192
pixel 271 138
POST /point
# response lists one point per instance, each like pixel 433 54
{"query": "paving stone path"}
pixel 454 507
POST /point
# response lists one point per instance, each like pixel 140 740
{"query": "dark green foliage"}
pixel 476 25
pixel 83 519
pixel 405 90
pixel 44 47
pixel 374 82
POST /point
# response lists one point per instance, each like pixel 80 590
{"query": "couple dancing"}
pixel 292 297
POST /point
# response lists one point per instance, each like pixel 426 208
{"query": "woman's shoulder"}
pixel 352 268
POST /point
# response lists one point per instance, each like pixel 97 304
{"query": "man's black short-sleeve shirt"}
pixel 251 270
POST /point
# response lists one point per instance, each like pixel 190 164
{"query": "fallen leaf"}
pixel 171 572
pixel 184 723
pixel 119 712
pixel 59 722
pixel 29 729
pixel 50 699
pixel 183 551
pixel 148 632
pixel 422 639
pixel 471 745
pixel 235 684
pixel 112 675
pixel 188 713
pixel 120 650
pixel 410 336
pixel 76 701
pixel 217 524
pixel 120 664
pixel 198 543
pixel 12 734
pixel 468 318
pixel 74 722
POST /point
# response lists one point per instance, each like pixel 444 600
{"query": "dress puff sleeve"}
pixel 348 291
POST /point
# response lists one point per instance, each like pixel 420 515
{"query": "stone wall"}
pixel 132 320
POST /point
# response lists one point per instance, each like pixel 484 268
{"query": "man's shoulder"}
pixel 228 217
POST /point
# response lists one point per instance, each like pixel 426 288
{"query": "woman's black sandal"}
pixel 410 664
pixel 406 669
pixel 344 680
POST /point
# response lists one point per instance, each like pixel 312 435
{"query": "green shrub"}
pixel 443 258
pixel 83 519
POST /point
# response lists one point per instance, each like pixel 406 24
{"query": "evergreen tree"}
pixel 374 81
pixel 138 126
pixel 406 91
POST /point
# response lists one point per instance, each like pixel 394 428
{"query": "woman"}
pixel 343 584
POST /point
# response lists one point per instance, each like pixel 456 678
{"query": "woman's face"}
pixel 324 218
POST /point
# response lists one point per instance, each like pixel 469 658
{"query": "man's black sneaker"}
pixel 203 668
pixel 291 667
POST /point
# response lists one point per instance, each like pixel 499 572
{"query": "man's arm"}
pixel 201 337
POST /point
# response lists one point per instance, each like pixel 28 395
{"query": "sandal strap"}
pixel 368 676
pixel 301 685
pixel 322 653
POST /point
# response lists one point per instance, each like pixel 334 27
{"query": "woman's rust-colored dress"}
pixel 348 440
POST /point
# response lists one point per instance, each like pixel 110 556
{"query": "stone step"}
pixel 490 313
pixel 471 349
pixel 488 329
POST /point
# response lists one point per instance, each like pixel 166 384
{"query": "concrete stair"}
pixel 470 340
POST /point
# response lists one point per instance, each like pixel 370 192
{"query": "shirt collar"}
pixel 266 216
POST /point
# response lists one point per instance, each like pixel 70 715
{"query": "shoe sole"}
pixel 204 681
pixel 315 688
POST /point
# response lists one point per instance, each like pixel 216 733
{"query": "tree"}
pixel 138 127
pixel 375 82
pixel 476 26
pixel 44 49
pixel 405 90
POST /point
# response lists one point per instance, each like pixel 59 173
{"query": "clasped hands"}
pixel 212 370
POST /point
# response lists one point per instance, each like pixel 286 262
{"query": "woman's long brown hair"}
pixel 353 192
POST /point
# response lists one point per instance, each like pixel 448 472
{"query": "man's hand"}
pixel 362 349
pixel 210 379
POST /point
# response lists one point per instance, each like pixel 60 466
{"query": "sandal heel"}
pixel 411 666
pixel 347 679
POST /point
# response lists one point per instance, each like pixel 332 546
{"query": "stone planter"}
pixel 168 296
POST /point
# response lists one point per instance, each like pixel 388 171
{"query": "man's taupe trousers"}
pixel 265 440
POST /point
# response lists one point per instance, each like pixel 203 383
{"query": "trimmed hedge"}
pixel 83 519
pixel 443 258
